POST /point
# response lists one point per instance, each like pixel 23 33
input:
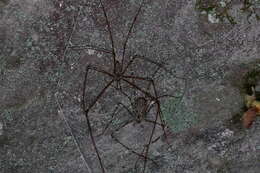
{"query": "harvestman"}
pixel 118 75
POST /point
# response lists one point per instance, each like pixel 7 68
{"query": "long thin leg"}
pixel 164 125
pixel 140 89
pixel 152 97
pixel 161 65
pixel 111 120
pixel 70 35
pixel 133 116
pixel 136 162
pixel 128 148
pixel 151 121
pixel 124 106
pixel 150 141
pixel 101 71
pixel 158 109
pixel 158 114
pixel 147 120
pixel 131 113
pixel 82 47
pixel 145 92
pixel 72 134
pixel 154 126
pixel 137 87
pixel 130 30
pixel 101 92
pixel 86 110
pixel 128 64
pixel 110 33
pixel 121 91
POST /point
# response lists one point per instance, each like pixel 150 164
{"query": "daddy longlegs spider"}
pixel 119 75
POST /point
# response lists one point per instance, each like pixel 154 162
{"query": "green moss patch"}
pixel 176 115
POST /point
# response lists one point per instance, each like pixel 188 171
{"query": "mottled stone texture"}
pixel 41 78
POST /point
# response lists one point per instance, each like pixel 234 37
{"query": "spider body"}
pixel 139 109
pixel 118 73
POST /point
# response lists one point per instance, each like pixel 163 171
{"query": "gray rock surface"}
pixel 41 79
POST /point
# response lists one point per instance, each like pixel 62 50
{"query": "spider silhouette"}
pixel 118 75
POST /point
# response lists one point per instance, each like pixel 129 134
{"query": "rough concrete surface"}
pixel 42 124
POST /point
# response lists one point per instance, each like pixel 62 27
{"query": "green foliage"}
pixel 176 115
pixel 250 7
pixel 221 9
pixel 251 78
